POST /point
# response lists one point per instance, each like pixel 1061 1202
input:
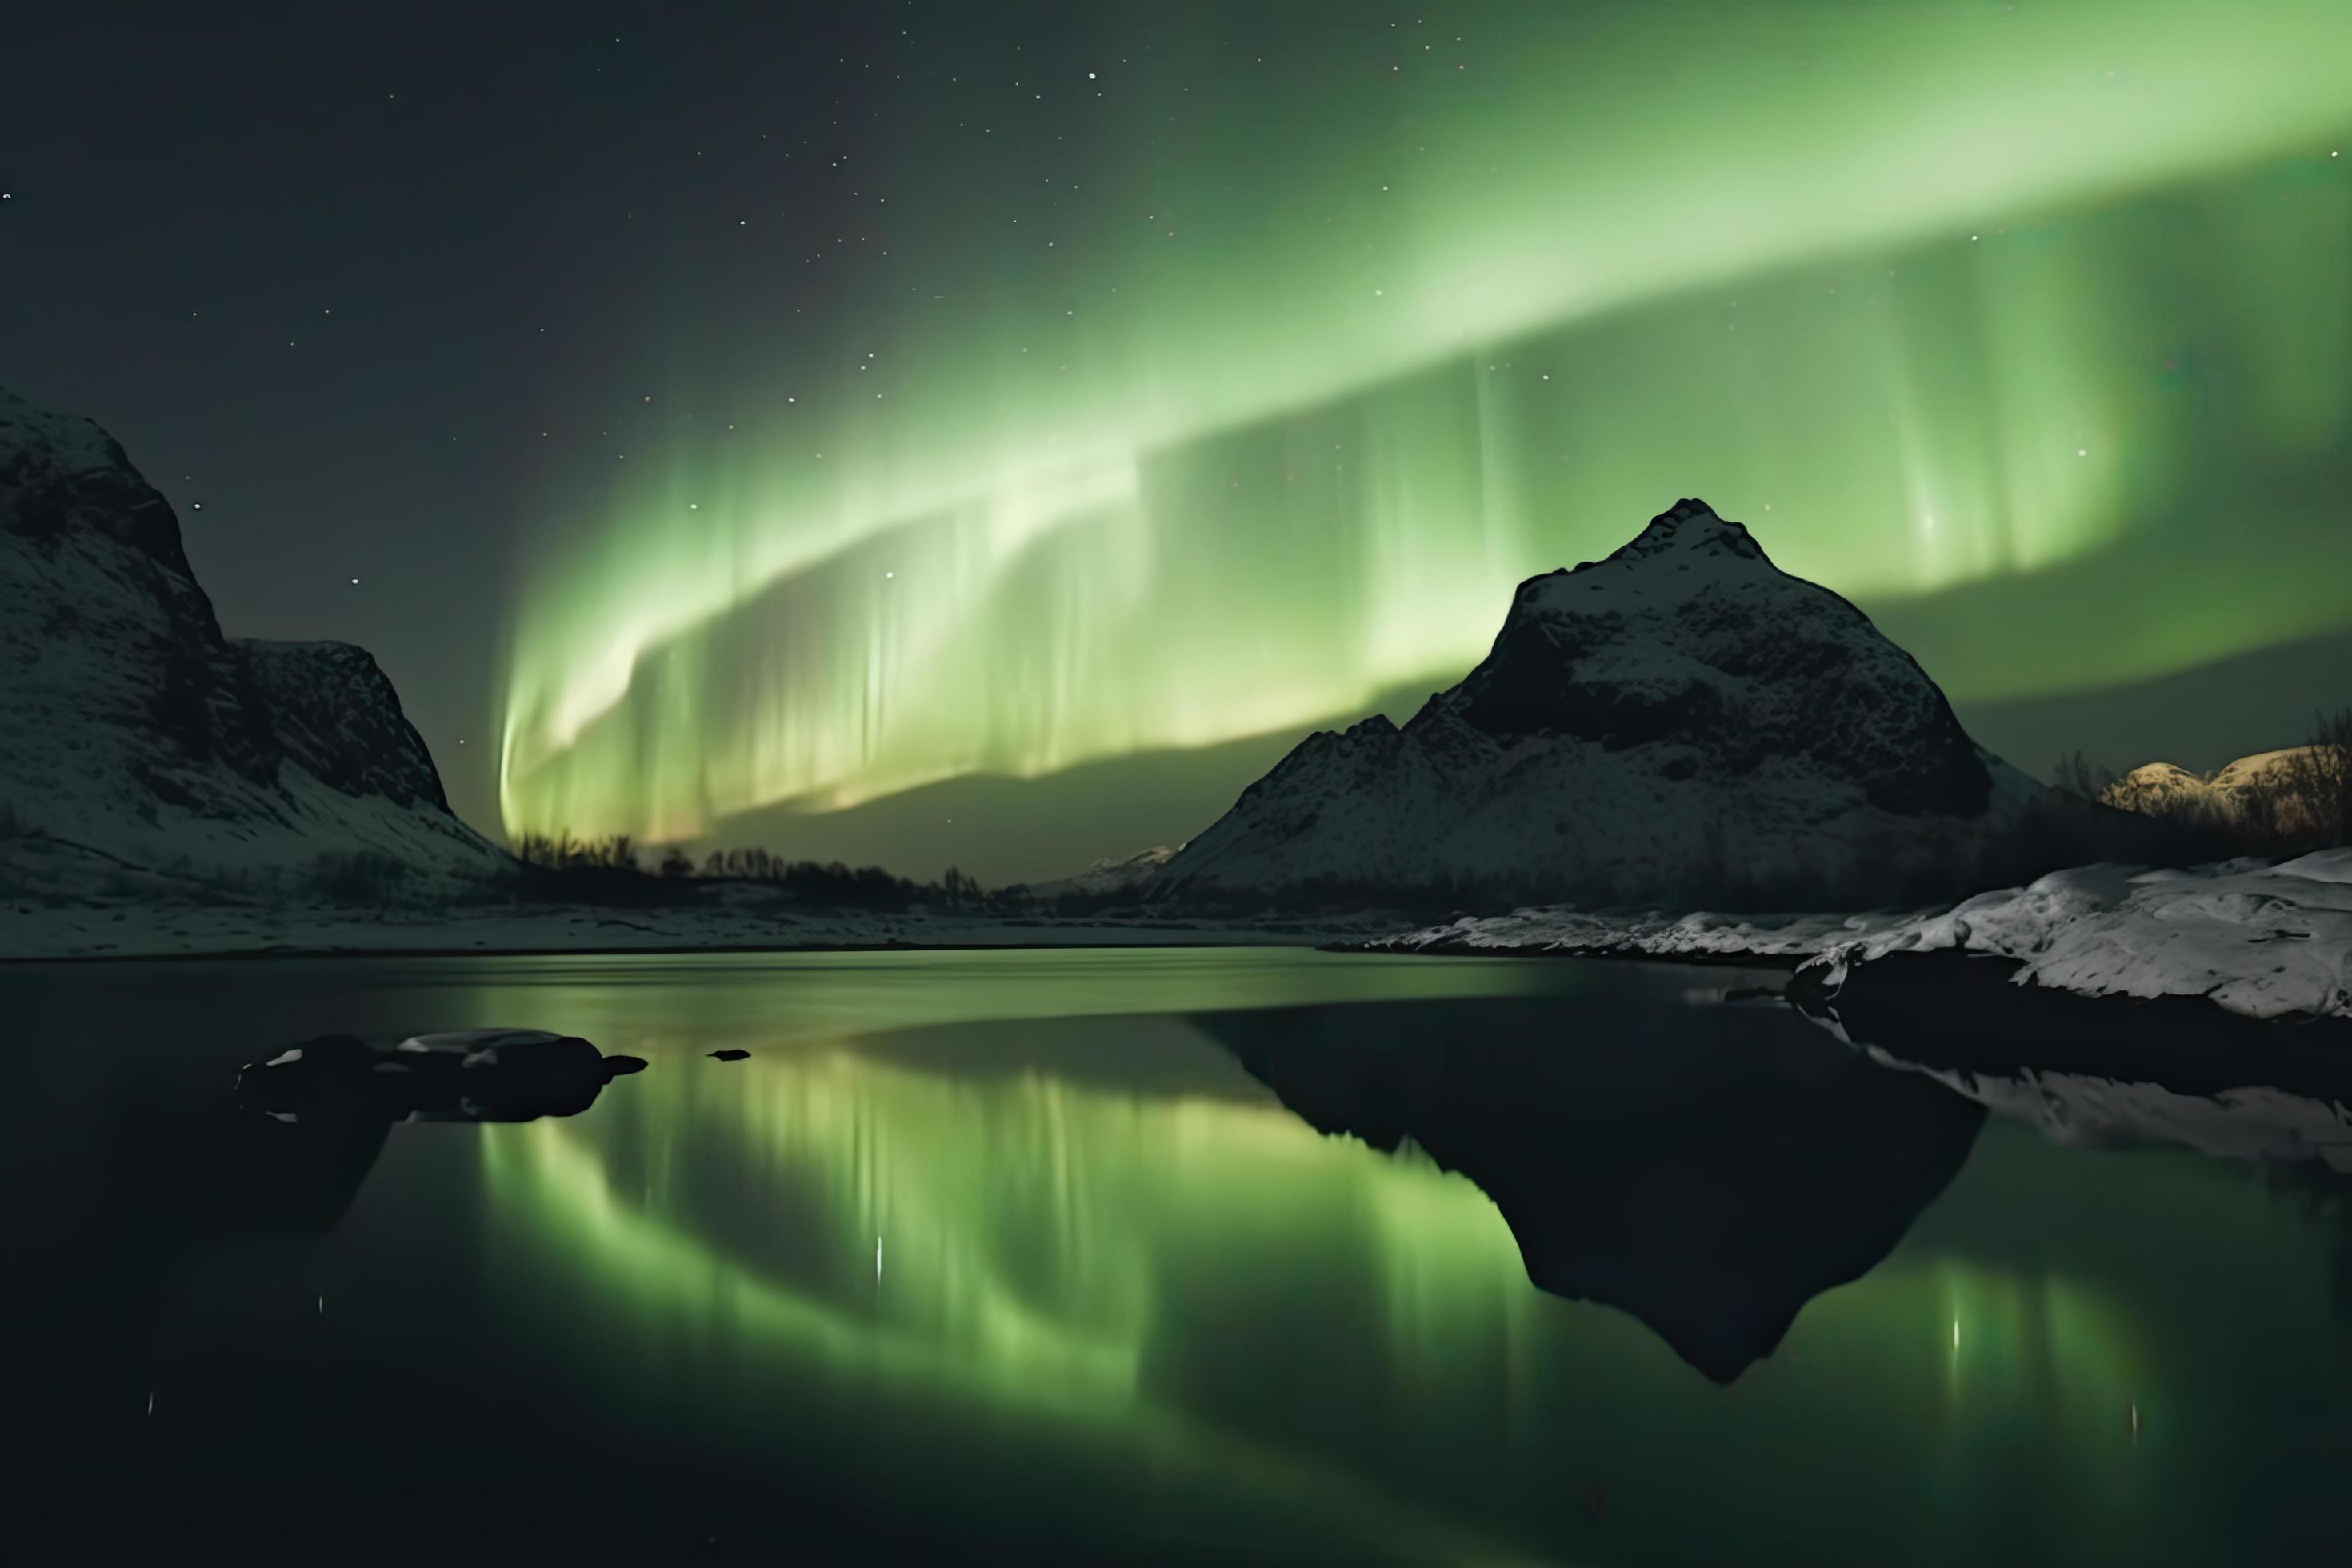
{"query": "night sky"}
pixel 846 409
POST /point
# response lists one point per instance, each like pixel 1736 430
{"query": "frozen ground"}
pixel 2265 941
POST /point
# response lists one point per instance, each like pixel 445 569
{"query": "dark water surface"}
pixel 1165 1253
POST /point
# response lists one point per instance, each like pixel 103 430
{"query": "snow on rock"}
pixel 2263 941
pixel 1681 720
pixel 138 739
pixel 1653 934
pixel 336 714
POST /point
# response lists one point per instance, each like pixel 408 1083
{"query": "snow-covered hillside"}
pixel 135 738
pixel 1683 721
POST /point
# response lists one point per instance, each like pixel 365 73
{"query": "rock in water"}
pixel 462 1075
pixel 139 738
pixel 1683 721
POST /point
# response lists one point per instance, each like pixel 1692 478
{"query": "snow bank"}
pixel 2263 941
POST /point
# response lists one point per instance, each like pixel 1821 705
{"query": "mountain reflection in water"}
pixel 1710 1181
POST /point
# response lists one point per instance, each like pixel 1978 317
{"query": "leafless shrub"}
pixel 2313 787
pixel 559 851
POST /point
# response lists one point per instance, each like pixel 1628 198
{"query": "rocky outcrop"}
pixel 333 712
pixel 137 736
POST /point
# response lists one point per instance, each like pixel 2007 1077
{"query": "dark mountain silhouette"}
pixel 1710 1181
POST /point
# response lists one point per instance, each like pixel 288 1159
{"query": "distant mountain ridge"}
pixel 2158 786
pixel 1680 721
pixel 1111 874
pixel 133 732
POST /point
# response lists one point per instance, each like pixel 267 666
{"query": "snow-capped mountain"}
pixel 134 737
pixel 2156 787
pixel 1682 720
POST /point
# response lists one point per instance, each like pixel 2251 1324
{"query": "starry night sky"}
pixel 328 272
pixel 844 409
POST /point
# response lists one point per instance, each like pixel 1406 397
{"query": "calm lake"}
pixel 1127 1254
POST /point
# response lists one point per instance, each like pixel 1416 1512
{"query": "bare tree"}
pixel 2315 785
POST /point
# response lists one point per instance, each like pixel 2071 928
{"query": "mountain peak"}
pixel 1690 524
pixel 1686 550
pixel 1681 719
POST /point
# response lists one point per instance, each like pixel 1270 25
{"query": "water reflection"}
pixel 1113 1254
pixel 1150 1265
pixel 1711 1179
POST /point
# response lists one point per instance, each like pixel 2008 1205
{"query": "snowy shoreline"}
pixel 2263 941
pixel 2257 940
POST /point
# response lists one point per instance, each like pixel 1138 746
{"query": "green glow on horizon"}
pixel 1259 472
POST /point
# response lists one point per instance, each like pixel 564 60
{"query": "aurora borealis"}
pixel 1225 384
pixel 933 434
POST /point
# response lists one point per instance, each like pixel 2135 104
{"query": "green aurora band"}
pixel 1929 296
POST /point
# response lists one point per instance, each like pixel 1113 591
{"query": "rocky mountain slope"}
pixel 1682 722
pixel 135 738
